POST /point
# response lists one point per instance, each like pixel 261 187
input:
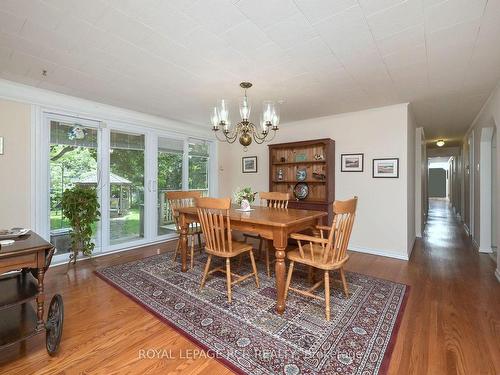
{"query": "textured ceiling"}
pixel 176 58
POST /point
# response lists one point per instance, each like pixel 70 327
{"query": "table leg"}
pixel 40 298
pixel 280 270
pixel 184 242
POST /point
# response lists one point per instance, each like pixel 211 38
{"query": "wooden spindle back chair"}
pixel 275 199
pixel 326 253
pixel 271 199
pixel 213 215
pixel 179 199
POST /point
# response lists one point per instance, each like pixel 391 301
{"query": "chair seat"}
pixel 237 248
pixel 317 262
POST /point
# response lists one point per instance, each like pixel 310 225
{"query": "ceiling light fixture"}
pixel 440 143
pixel 245 130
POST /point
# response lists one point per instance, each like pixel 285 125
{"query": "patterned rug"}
pixel 249 337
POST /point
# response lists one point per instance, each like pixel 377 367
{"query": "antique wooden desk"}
pixel 273 224
pixel 18 320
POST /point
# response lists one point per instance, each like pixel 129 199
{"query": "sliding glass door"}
pixel 73 161
pixel 131 169
pixel 126 187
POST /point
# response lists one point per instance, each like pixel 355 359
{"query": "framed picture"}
pixel 386 168
pixel 351 162
pixel 249 164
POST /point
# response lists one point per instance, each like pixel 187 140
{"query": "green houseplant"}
pixel 81 208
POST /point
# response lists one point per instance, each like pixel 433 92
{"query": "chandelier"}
pixel 245 131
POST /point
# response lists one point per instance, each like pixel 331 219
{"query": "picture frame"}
pixel 249 164
pixel 385 168
pixel 352 162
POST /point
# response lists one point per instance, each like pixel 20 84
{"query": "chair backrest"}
pixel 344 213
pixel 213 214
pixel 178 199
pixel 275 199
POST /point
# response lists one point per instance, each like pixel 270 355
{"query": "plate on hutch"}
pixel 301 190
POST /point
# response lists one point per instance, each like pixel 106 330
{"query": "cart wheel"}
pixel 54 325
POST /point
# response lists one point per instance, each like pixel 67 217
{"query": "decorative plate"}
pixel 6 234
pixel 301 190
pixel 301 174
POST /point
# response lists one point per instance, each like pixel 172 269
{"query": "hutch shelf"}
pixel 310 162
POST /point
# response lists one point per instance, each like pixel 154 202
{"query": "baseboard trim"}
pixel 497 274
pixel 485 250
pixel 383 253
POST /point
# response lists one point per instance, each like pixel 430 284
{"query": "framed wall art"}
pixel 351 162
pixel 386 168
pixel 249 164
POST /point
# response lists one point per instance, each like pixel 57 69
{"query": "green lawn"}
pixel 121 226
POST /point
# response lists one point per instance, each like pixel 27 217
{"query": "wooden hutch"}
pixel 315 161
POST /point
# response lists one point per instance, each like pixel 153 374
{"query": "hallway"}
pixel 453 320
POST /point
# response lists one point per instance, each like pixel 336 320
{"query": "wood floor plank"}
pixel 451 324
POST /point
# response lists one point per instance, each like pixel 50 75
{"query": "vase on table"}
pixel 245 205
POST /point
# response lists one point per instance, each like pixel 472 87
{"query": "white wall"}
pixel 383 213
pixel 411 150
pixel 420 181
pixel 489 116
pixel 15 165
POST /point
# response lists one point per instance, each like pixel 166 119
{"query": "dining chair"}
pixel 326 253
pixel 270 199
pixel 213 214
pixel 176 200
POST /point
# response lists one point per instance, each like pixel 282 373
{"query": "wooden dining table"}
pixel 272 224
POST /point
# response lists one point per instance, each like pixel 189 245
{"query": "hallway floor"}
pixel 451 324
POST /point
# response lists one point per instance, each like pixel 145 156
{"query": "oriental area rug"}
pixel 249 337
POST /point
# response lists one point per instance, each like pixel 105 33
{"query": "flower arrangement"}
pixel 245 193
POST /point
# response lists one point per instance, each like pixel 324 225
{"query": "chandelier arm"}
pixel 230 139
pixel 255 134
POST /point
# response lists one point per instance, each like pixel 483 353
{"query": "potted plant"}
pixel 244 197
pixel 81 208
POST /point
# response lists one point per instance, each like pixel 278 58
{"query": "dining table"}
pixel 273 224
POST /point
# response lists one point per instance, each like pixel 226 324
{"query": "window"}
pixel 170 176
pixel 126 187
pixel 130 167
pixel 199 161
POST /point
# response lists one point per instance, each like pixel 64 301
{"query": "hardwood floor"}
pixel 451 324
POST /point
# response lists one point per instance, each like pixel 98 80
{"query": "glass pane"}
pixel 126 163
pixel 198 165
pixel 73 161
pixel 170 155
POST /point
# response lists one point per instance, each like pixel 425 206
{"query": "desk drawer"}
pixel 18 262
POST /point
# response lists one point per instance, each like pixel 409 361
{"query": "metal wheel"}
pixel 54 325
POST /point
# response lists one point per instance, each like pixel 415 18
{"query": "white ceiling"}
pixel 176 58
